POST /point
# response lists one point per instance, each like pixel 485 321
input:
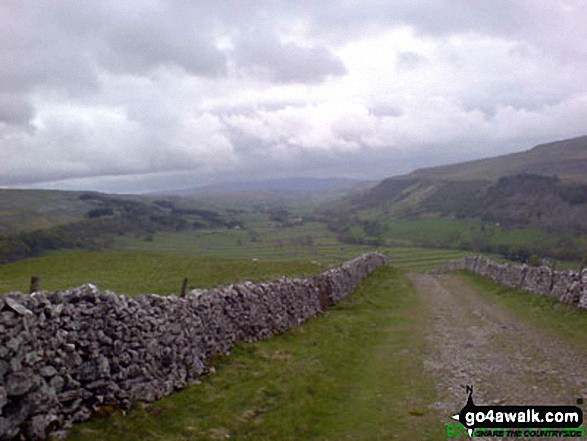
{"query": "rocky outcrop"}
pixel 566 286
pixel 65 355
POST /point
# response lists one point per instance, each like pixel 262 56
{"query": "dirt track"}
pixel 474 342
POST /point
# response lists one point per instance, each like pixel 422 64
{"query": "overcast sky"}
pixel 131 96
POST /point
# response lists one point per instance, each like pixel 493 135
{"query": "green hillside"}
pixel 541 190
pixel 565 159
pixel 27 210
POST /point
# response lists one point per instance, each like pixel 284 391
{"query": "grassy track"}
pixel 567 321
pixel 354 373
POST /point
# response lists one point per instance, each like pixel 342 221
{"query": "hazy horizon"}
pixel 146 96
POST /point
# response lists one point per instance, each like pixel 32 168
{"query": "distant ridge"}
pixel 565 159
pixel 299 185
pixel 544 187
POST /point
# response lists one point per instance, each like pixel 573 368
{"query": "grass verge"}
pixel 354 373
pixel 568 322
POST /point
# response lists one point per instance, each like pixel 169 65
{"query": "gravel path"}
pixel 474 342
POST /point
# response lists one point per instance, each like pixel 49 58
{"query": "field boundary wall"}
pixel 67 354
pixel 567 286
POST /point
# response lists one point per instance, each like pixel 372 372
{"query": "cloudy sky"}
pixel 140 95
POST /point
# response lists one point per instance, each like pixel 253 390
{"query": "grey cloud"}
pixel 516 94
pixel 266 56
pixel 74 51
pixel 409 60
pixel 15 109
pixel 547 24
pixel 385 110
pixel 39 51
pixel 139 48
pixel 272 106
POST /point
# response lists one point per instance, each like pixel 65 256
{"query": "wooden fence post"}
pixel 34 286
pixel 184 287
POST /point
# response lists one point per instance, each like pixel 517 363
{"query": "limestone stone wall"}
pixel 567 286
pixel 66 354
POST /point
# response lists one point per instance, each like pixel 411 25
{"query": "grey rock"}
pixel 87 372
pixel 7 316
pixel 48 371
pixel 7 430
pixel 73 395
pixel 31 358
pixel 70 347
pixel 15 343
pixel 16 364
pixel 39 425
pixel 3 398
pixel 4 368
pixel 19 383
pixel 17 306
pixel 103 367
pixel 72 360
pixel 57 383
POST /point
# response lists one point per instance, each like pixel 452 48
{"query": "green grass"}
pixel 309 241
pixel 421 259
pixel 567 321
pixel 354 373
pixel 455 232
pixel 127 272
pixel 284 244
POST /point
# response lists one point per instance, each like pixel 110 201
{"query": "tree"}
pixel 534 260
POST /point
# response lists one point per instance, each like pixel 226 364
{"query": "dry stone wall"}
pixel 567 286
pixel 65 355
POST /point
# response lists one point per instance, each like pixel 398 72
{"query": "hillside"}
pixel 33 222
pixel 33 209
pixel 565 159
pixel 543 188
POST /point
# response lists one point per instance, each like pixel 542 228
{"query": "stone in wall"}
pixel 482 266
pixel 566 286
pixel 511 275
pixel 583 290
pixel 538 280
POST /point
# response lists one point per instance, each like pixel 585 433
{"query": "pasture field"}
pixel 354 373
pixel 419 260
pixel 307 241
pixel 158 269
pixel 455 233
pixel 132 273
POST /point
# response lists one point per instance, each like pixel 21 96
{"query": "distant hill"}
pixel 565 159
pixel 544 187
pixel 34 222
pixel 34 209
pixel 291 185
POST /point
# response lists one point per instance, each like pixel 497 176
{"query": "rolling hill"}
pixel 544 187
pixel 565 159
